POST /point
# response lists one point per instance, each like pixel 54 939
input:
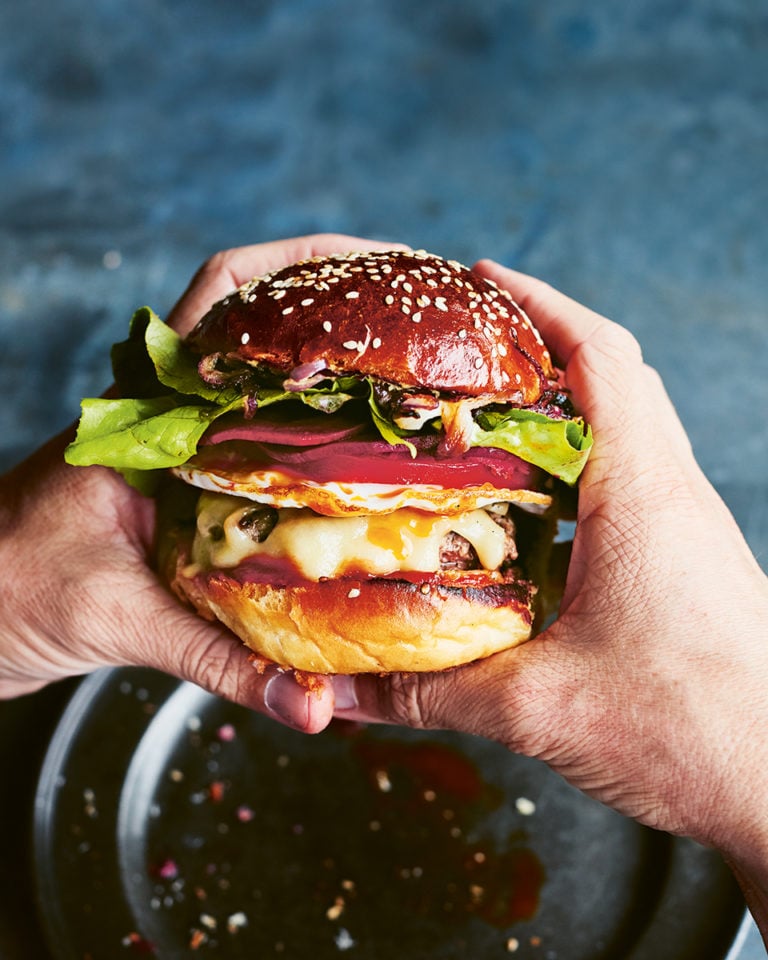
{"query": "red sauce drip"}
pixel 430 765
pixel 428 798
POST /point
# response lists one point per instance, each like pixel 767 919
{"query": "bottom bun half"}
pixel 361 626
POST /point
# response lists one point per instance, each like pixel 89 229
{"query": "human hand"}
pixel 649 691
pixel 76 546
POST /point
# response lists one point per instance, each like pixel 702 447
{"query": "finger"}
pixel 603 364
pixel 564 323
pixel 514 697
pixel 186 646
pixel 229 269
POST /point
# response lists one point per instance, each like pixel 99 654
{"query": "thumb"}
pixel 184 645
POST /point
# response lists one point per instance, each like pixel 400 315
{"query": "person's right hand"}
pixel 650 691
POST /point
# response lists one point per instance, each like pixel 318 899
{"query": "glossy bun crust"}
pixel 361 626
pixel 409 318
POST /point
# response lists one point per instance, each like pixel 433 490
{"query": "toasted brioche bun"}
pixel 361 626
pixel 412 319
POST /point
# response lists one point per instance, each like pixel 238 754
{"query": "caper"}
pixel 258 522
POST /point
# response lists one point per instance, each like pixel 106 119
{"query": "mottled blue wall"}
pixel 618 150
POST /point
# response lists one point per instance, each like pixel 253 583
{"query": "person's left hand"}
pixel 76 544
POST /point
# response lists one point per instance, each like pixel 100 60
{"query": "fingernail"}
pixel 287 701
pixel 344 692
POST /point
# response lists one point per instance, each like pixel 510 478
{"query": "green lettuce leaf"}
pixel 144 434
pixel 328 398
pixel 155 360
pixel 561 447
pixel 389 432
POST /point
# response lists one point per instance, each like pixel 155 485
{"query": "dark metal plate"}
pixel 170 823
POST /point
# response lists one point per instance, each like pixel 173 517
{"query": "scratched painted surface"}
pixel 618 151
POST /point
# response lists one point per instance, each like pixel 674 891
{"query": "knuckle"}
pixel 213 665
pixel 216 266
pixel 417 700
pixel 613 343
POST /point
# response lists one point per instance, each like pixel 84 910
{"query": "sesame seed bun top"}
pixel 410 318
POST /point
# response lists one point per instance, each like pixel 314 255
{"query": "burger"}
pixel 346 454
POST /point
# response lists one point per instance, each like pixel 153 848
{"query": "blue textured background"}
pixel 619 151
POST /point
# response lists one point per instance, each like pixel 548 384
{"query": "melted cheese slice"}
pixel 322 546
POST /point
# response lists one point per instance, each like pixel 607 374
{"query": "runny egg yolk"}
pixel 396 536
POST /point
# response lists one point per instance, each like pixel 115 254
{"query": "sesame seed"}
pixel 277 294
pixel 462 334
pixel 376 343
pixel 287 311
pixel 245 338
pixel 327 326
pixel 353 593
pixel 389 300
pixel 352 295
pixel 308 302
pixel 416 317
pixel 478 363
pixel 423 301
pixel 502 350
pixel 350 344
pixel 408 287
pixel 406 309
pixel 440 304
